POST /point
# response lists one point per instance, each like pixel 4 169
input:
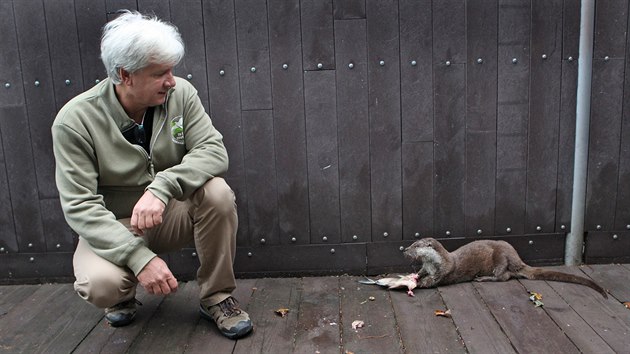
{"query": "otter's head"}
pixel 423 250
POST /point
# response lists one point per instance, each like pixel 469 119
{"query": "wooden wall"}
pixel 353 126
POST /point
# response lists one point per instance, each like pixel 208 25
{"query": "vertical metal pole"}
pixel 575 239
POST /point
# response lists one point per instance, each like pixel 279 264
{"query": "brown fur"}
pixel 482 260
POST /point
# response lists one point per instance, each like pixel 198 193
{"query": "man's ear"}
pixel 125 76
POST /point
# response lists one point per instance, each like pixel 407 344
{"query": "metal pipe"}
pixel 575 239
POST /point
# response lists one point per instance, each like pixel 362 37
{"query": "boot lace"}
pixel 229 307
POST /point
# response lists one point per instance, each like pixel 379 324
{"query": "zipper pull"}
pixel 151 168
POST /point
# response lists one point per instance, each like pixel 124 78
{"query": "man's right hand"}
pixel 156 278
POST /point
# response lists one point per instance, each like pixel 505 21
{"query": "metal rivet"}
pixel 189 76
pixel 253 69
pixel 615 237
pixel 598 227
pixel 448 63
pixel 262 240
pixel 351 65
pixel 194 254
pixel 324 238
pixel 538 228
pixel 414 63
pixel 508 230
pixel 320 65
pixel 479 232
pixel 416 235
pixel 30 245
pixel 37 83
pixel 531 242
pixel 68 82
pixel 32 259
pixel 7 84
pixel 627 227
pixel 355 237
pixel 385 234
pixel 544 56
pixel 563 227
pixel 570 58
pixel 448 233
pixel 401 248
pixel 221 72
pixel 249 254
pixel 1 249
pixel 285 66
pixel 381 63
pixel 607 58
pixel 514 60
pixel 97 81
pixel 479 60
pixel 293 239
pixel 58 245
pixel 332 250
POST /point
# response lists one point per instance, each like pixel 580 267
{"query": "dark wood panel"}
pixel 318 311
pixel 222 69
pixel 604 143
pixel 59 236
pixel 38 89
pixel 449 31
pixel 114 5
pixel 544 107
pixel 318 42
pixel 378 320
pixel 607 247
pixel 384 114
pixel 571 17
pixel 416 70
pixel 353 129
pixel 187 15
pixel 480 187
pixel 253 54
pixel 11 90
pixel 8 237
pixel 91 19
pixel 289 120
pixel 622 211
pixel 63 43
pixel 476 325
pixel 609 37
pixel 417 179
pixel 18 160
pixel 322 155
pixel 159 8
pixel 608 276
pixel 261 177
pixel 348 9
pixel 449 151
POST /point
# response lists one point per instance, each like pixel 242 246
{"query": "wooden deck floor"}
pixel 486 318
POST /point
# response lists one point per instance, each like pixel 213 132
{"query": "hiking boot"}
pixel 233 322
pixel 121 314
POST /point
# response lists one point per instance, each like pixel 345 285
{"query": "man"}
pixel 138 166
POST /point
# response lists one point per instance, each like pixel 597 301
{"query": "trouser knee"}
pixel 217 195
pixel 102 291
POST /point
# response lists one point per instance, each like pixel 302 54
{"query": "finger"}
pixel 165 288
pixel 156 289
pixel 172 283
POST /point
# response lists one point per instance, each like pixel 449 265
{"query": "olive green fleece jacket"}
pixel 101 176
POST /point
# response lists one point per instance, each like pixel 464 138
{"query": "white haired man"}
pixel 138 166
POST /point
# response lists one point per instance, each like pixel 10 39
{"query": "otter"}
pixel 482 260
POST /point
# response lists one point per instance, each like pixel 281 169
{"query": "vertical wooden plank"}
pixel 512 114
pixel 449 31
pixel 289 122
pixel 318 50
pixel 417 178
pixel 159 8
pixel 609 37
pixel 113 6
pixel 11 92
pixel 261 176
pixel 542 159
pixel 38 90
pixel 222 68
pixel 63 43
pixel 253 54
pixel 188 17
pixel 384 114
pixel 59 236
pixel 319 310
pixel 8 237
pixel 322 155
pixel 348 9
pixel 622 212
pixel 481 116
pixel 91 17
pixel 353 130
pixel 416 70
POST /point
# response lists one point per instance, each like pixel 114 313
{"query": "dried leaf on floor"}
pixel 282 312
pixel 441 313
pixel 357 324
pixel 627 304
pixel 536 298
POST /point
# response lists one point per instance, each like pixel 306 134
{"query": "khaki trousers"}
pixel 208 218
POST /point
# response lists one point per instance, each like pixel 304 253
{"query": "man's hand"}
pixel 147 213
pixel 156 278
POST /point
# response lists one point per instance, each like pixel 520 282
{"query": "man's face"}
pixel 149 86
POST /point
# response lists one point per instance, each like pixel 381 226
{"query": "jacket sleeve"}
pixel 206 156
pixel 84 209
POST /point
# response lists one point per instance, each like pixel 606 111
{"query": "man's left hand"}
pixel 147 213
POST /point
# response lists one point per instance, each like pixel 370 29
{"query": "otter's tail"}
pixel 552 275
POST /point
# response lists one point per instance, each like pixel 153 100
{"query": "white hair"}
pixel 133 41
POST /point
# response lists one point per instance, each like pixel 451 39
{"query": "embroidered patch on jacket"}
pixel 177 130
